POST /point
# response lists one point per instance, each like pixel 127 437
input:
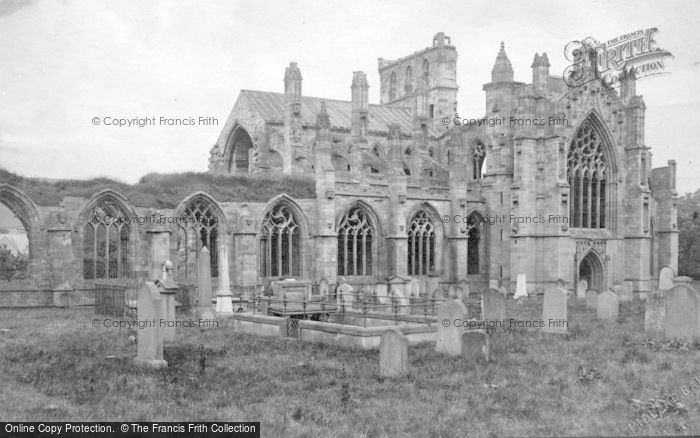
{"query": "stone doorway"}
pixel 591 269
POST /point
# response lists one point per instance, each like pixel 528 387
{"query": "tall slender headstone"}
pixel 555 311
pixel 682 319
pixel 414 288
pixel 224 304
pixel 581 288
pixel 203 309
pixel 464 286
pixel 448 338
pixel 520 286
pixel 150 338
pixel 654 311
pixel 393 354
pixel 323 288
pixel 608 306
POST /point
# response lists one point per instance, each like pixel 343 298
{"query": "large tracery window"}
pixel 478 160
pixel 106 243
pixel 198 228
pixel 421 245
pixel 587 175
pixel 355 244
pixel 280 244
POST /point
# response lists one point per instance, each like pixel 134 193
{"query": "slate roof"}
pixel 273 106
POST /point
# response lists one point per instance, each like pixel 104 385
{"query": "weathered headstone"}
pixel 448 338
pixel 655 311
pixel 493 305
pixel 683 280
pixel 464 286
pixel 414 288
pixel 381 290
pixel 626 292
pixel 493 284
pixel 666 275
pixel 520 286
pixel 393 354
pixel 323 288
pixel 555 311
pixel 591 299
pixel 581 288
pixel 150 337
pixel 608 306
pixel 475 344
pixel 682 319
pixel 203 309
pixel 167 288
pixel 346 293
pixel 224 303
pixel 63 295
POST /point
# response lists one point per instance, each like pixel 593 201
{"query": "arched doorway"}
pixel 238 150
pixel 591 270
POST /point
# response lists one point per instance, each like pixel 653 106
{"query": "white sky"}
pixel 64 62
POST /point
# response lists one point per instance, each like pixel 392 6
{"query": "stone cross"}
pixel 224 304
pixel 555 311
pixel 608 306
pixel 448 338
pixel 393 354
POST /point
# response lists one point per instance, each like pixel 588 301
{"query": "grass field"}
pixel 53 368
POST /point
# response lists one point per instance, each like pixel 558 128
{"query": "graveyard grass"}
pixel 53 368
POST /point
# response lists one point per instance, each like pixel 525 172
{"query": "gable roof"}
pixel 272 107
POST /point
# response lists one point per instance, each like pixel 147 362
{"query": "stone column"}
pixel 203 310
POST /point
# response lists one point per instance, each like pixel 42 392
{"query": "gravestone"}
pixel 591 299
pixel 414 288
pixel 393 354
pixel 666 275
pixel 452 292
pixel 493 305
pixel 323 288
pixel 682 319
pixel 520 286
pixel 503 290
pixel 626 292
pixel 555 311
pixel 63 295
pixel 168 288
pixel 475 344
pixel 203 309
pixel 654 311
pixel 448 338
pixel 346 293
pixel 608 306
pixel 581 288
pixel 464 286
pixel 396 298
pixel 381 291
pixel 149 308
pixel 224 303
pixel 493 284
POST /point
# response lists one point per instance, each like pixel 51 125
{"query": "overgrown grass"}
pixel 167 190
pixel 53 367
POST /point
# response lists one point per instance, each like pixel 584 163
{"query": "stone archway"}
pixel 238 149
pixel 28 215
pixel 592 270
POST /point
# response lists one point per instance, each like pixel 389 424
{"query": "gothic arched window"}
pixel 587 176
pixel 478 159
pixel 473 221
pixel 355 243
pixel 392 86
pixel 421 245
pixel 409 80
pixel 280 239
pixel 106 243
pixel 198 228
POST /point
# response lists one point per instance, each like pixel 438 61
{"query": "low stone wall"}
pixel 26 298
pixel 361 337
pixel 382 319
pixel 261 325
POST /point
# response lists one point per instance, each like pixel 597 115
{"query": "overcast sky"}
pixel 64 62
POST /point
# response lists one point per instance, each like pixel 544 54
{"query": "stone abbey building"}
pixel 553 181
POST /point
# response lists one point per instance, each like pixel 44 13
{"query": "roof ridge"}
pixel 327 99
